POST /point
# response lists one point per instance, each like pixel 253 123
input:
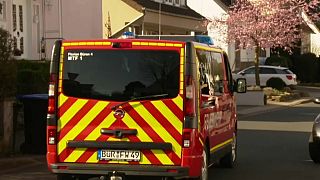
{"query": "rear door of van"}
pixel 120 101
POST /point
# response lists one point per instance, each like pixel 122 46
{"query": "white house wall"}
pixel 315 44
pixel 80 19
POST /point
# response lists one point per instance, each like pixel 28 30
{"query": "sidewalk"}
pixel 271 106
pixel 12 163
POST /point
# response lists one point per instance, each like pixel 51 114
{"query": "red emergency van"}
pixel 145 107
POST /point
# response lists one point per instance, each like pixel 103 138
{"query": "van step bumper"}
pixel 130 170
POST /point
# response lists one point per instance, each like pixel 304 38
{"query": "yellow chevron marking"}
pixel 179 102
pixel 81 125
pixel 157 127
pixel 136 43
pixel 106 123
pixel 177 45
pixel 163 157
pixel 76 154
pixel 220 145
pixel 93 158
pixel 169 115
pixel 142 135
pixel 62 99
pixel 161 44
pixel 93 136
pixel 68 115
pixel 144 43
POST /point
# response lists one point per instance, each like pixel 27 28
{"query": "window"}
pixel 14 17
pixel 205 71
pixel 218 72
pixel 177 2
pixel 2 10
pixel 168 2
pixel 250 71
pixel 267 71
pixel 228 70
pixel 211 72
pixel 121 75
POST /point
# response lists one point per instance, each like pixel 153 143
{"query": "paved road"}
pixel 274 146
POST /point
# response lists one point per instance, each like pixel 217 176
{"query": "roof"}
pixel 185 11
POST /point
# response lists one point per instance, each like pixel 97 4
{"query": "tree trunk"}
pixel 256 63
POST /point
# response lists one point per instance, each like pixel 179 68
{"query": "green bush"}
pixel 306 67
pixel 32 77
pixel 276 83
pixel 278 61
pixel 7 66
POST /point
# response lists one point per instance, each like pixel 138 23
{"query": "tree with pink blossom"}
pixel 267 24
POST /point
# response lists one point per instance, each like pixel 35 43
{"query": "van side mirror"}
pixel 241 85
pixel 316 100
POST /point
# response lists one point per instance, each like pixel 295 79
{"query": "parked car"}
pixel 267 72
pixel 314 140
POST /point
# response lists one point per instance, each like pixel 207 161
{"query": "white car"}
pixel 267 72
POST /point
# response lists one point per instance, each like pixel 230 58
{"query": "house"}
pixel 36 24
pixel 151 17
pixel 23 19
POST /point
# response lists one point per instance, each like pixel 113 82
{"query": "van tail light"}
pixel 186 139
pixel 52 136
pixel 51 100
pixel 189 107
pixel 289 77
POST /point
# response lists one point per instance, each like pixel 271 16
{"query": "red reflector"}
pixel 172 170
pixel 62 167
pixel 52 136
pixel 122 45
pixel 51 105
pixel 289 77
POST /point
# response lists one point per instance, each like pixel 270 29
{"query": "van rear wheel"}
pixel 229 160
pixel 204 168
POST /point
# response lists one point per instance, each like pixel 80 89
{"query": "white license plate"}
pixel 119 155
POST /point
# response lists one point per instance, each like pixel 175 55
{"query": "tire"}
pixel 229 160
pixel 204 169
pixel 314 152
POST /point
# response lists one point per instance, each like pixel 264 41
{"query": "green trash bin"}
pixel 35 118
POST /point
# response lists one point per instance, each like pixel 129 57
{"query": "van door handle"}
pixel 118 133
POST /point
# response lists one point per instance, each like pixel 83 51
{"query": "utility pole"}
pixel 160 19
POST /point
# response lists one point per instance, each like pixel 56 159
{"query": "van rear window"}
pixel 120 75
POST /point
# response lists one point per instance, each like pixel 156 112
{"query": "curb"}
pixel 271 106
